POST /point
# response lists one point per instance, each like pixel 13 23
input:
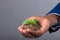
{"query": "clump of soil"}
pixel 34 27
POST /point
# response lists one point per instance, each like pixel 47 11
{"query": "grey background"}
pixel 13 12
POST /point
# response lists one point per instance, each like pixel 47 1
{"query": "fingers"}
pixel 29 33
pixel 24 32
pixel 35 33
pixel 20 28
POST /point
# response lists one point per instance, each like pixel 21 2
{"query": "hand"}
pixel 44 21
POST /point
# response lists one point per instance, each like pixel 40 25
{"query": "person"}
pixel 50 22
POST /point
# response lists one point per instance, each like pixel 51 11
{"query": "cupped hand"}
pixel 44 21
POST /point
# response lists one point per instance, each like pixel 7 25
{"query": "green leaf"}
pixel 35 21
pixel 30 21
pixel 26 22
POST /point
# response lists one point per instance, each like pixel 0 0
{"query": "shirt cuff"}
pixel 54 14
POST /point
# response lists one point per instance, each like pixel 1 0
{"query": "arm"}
pixel 46 21
pixel 56 14
pixel 53 18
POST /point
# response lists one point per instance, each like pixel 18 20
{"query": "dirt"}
pixel 33 27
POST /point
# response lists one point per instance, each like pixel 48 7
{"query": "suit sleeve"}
pixel 56 11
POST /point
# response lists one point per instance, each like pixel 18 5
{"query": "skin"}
pixel 45 21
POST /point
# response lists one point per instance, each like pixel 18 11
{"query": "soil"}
pixel 33 27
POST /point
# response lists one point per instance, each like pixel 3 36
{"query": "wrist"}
pixel 53 19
